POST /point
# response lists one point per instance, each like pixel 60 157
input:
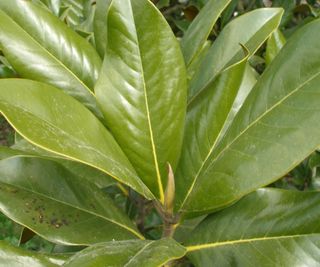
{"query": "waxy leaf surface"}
pixel 41 47
pixel 266 228
pixel 54 121
pixel 17 257
pixel 273 132
pixel 142 89
pixel 54 203
pixel 128 254
pixel 226 49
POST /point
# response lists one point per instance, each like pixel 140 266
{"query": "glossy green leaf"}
pixel 17 257
pixel 129 254
pixel 41 47
pixel 54 121
pixel 268 136
pixel 200 28
pixel 206 117
pixel 225 51
pixel 59 206
pixel 275 42
pixel 100 25
pixel 142 89
pixel 249 80
pixel 83 171
pixel 266 228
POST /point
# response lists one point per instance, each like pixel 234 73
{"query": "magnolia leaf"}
pixel 275 42
pixel 41 47
pixel 267 138
pixel 200 28
pixel 17 257
pixel 142 89
pixel 265 228
pixel 54 121
pixel 129 254
pixel 57 205
pixel 226 51
pixel 206 117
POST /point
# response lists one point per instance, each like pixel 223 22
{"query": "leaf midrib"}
pixel 243 241
pixel 154 152
pixel 251 125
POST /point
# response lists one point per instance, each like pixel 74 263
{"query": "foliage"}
pixel 128 138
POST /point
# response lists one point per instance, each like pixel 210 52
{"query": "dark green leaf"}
pixel 225 51
pixel 59 206
pixel 268 136
pixel 200 28
pixel 266 228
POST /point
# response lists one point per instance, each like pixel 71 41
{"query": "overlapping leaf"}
pixel 58 205
pixel 129 254
pixel 99 178
pixel 275 42
pixel 200 28
pixel 225 51
pixel 142 89
pixel 266 228
pixel 206 117
pixel 268 136
pixel 48 118
pixel 41 47
pixel 100 25
pixel 17 257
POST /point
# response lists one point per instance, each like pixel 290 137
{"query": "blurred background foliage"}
pixel 78 14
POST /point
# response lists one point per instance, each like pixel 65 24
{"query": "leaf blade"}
pixel 54 203
pixel 129 253
pixel 45 108
pixel 56 55
pixel 144 110
pixel 276 114
pixel 268 220
pixel 224 52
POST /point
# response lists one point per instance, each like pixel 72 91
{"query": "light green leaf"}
pixel 59 206
pixel 225 51
pixel 275 42
pixel 206 118
pixel 142 89
pixel 83 171
pixel 41 47
pixel 268 136
pixel 200 28
pixel 54 121
pixel 17 257
pixel 100 25
pixel 266 228
pixel 128 254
